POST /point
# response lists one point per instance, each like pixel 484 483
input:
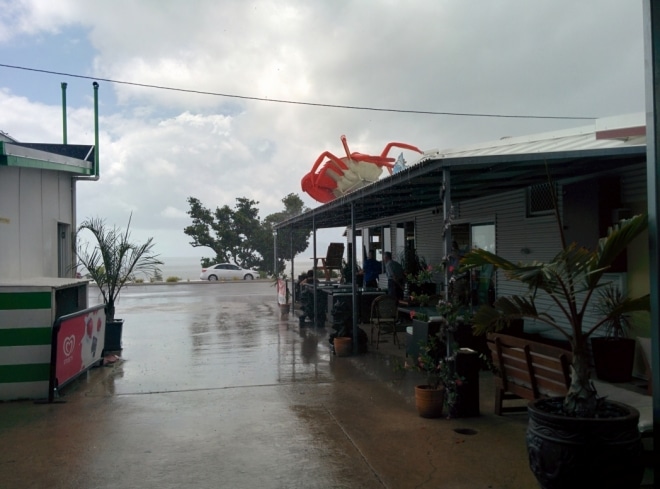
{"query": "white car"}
pixel 227 271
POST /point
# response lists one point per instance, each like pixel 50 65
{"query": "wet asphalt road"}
pixel 214 389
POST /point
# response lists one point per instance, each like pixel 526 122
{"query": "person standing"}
pixel 395 276
pixel 372 269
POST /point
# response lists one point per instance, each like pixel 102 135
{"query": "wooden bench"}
pixel 531 370
pixel 527 370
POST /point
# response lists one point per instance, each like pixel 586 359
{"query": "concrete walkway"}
pixel 213 390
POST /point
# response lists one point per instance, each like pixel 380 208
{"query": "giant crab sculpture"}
pixel 332 176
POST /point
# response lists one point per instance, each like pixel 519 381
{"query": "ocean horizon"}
pixel 188 268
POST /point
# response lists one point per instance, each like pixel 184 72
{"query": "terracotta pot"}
pixel 429 401
pixel 572 452
pixel 343 346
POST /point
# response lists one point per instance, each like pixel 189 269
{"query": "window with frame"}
pixel 539 200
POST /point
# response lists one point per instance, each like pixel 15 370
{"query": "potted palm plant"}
pixel 580 440
pixel 112 260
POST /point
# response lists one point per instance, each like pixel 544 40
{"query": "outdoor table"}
pixel 365 297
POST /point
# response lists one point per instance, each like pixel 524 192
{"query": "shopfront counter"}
pixel 28 311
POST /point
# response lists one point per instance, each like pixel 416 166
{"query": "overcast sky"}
pixel 558 58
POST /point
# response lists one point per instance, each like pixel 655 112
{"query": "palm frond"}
pixel 618 239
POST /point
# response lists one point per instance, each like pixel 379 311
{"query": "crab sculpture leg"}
pixel 333 177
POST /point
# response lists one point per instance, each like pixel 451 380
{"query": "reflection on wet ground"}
pixel 214 389
pixel 213 336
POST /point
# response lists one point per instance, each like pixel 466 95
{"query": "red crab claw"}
pixel 320 194
pixel 320 185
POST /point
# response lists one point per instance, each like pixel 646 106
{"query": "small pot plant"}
pixel 420 276
pixel 421 299
pixel 442 380
pixel 112 260
pixel 614 352
pixel 611 301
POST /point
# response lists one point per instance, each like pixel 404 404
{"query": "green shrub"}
pixel 172 279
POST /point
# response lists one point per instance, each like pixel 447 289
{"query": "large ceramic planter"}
pixel 429 401
pixel 613 358
pixel 568 452
pixel 113 332
pixel 343 346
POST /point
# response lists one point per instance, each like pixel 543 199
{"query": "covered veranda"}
pixel 444 180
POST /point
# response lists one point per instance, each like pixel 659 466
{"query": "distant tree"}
pixel 238 235
pixel 228 232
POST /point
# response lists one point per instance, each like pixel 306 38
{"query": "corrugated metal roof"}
pixel 579 138
pixel 492 167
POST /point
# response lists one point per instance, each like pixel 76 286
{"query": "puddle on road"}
pixel 204 339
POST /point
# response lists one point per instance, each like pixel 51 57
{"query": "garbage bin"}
pixel 467 366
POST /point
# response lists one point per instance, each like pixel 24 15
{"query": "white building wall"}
pixel 518 238
pixel 428 237
pixel 32 203
pixel 9 222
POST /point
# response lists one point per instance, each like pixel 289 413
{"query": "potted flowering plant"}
pixel 421 282
pixel 421 299
pixel 455 324
pixel 424 276
pixel 442 381
pixel 451 314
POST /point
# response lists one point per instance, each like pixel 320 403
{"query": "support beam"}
pixel 447 217
pixel 354 282
pixel 316 312
pixel 652 63
pixel 293 274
